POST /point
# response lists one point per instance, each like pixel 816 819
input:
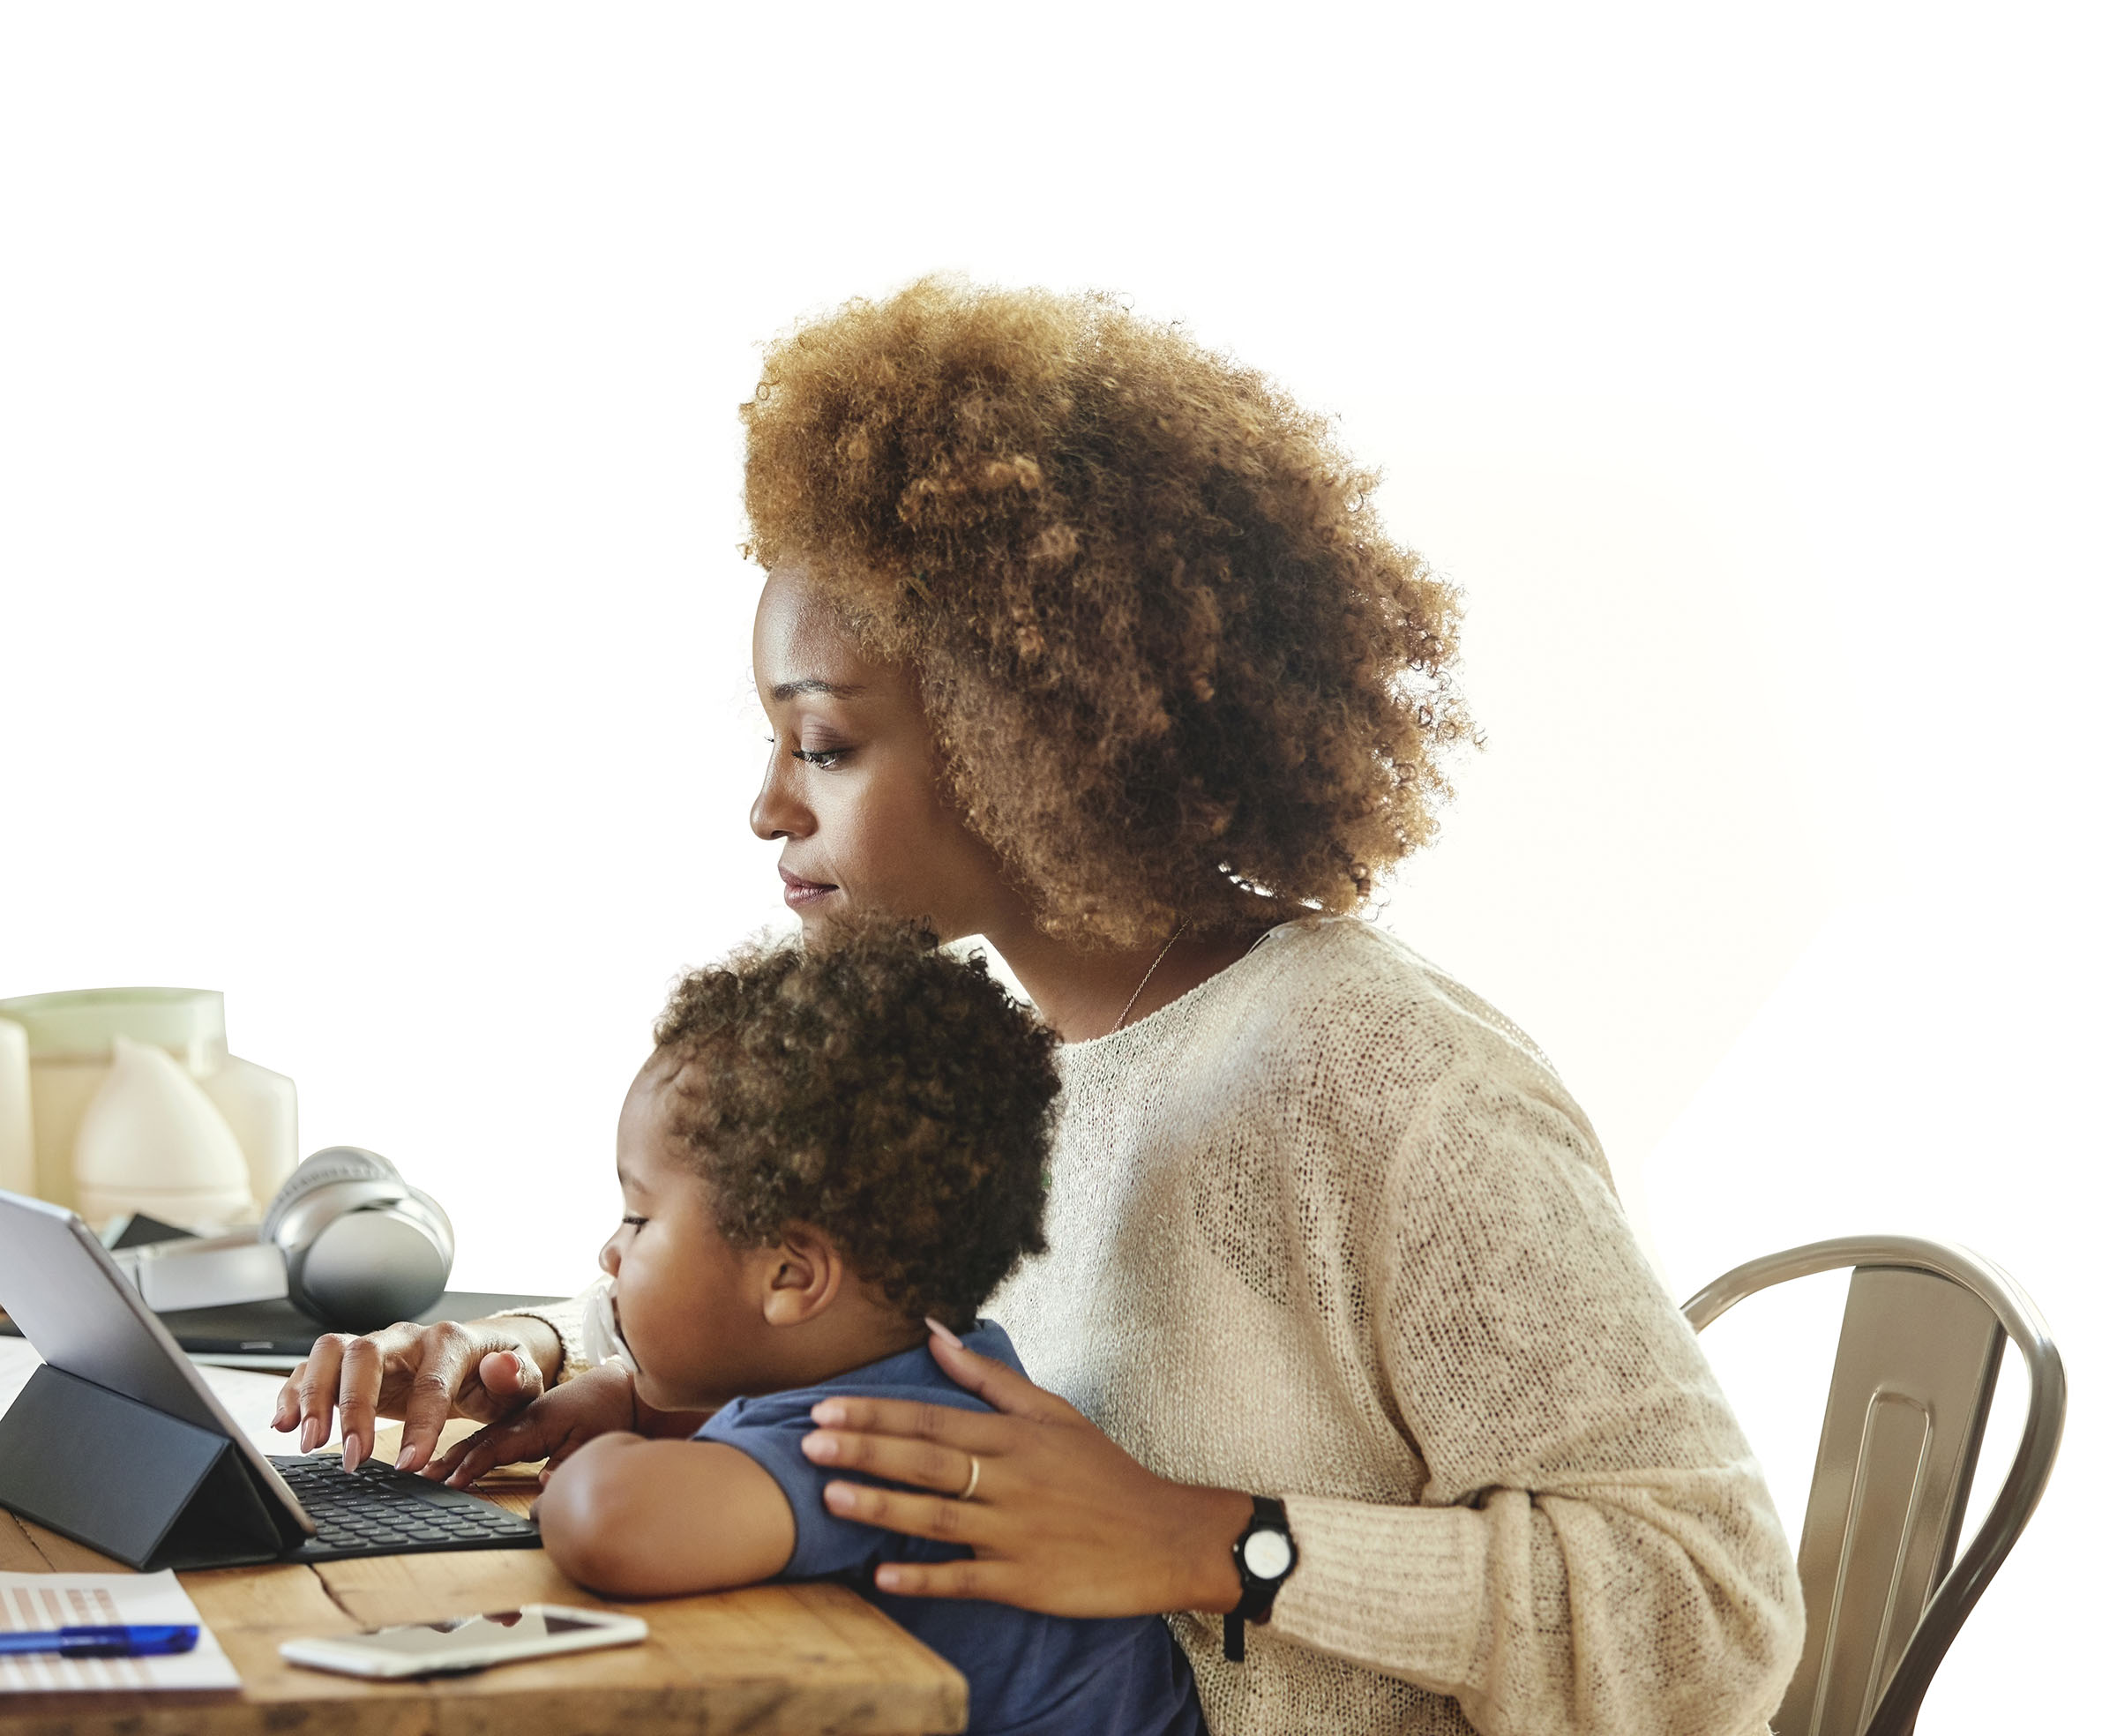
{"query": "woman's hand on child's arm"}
pixel 635 1518
pixel 1062 1520
pixel 601 1402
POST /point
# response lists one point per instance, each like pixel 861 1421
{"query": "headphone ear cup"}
pixel 437 1225
pixel 366 1269
pixel 362 1246
pixel 322 1168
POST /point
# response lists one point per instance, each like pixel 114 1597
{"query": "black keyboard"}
pixel 380 1510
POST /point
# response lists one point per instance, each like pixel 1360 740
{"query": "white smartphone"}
pixel 467 1641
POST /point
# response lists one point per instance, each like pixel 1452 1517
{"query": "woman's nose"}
pixel 778 813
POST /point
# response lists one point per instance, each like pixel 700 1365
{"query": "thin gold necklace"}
pixel 1149 977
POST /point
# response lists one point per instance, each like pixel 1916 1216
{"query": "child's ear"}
pixel 802 1277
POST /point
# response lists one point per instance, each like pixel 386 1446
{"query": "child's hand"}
pixel 601 1402
pixel 553 1427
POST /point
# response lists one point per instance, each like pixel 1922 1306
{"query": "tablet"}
pixel 61 1287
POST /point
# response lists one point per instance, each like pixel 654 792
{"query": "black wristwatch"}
pixel 1264 1555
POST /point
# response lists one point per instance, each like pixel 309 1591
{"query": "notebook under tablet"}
pixel 60 1286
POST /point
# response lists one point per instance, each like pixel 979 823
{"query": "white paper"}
pixel 18 1363
pixel 39 1601
pixel 248 1396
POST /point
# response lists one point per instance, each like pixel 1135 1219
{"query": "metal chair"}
pixel 1917 1357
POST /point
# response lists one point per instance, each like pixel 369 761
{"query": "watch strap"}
pixel 1258 1592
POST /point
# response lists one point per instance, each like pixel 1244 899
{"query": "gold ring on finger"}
pixel 970 1487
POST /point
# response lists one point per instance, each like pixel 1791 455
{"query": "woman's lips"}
pixel 800 891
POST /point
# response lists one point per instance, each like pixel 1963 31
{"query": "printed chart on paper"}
pixel 45 1601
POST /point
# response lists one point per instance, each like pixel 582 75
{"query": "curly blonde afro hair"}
pixel 895 1098
pixel 1174 667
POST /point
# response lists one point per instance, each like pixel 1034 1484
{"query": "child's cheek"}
pixel 652 1382
pixel 657 1396
pixel 645 1310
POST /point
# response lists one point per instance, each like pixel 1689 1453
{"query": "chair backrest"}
pixel 1917 1357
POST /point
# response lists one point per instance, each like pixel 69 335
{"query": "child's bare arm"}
pixel 559 1424
pixel 638 1518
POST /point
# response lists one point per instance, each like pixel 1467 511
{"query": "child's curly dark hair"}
pixel 1169 656
pixel 895 1098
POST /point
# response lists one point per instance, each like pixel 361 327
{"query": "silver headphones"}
pixel 363 1246
pixel 346 1240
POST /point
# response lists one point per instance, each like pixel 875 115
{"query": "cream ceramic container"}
pixel 71 1046
pixel 17 1143
pixel 151 1141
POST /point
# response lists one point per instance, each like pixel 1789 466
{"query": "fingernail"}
pixel 824 1447
pixel 828 1411
pixel 522 1367
pixel 404 1458
pixel 353 1452
pixel 888 1578
pixel 312 1435
pixel 943 1333
pixel 839 1497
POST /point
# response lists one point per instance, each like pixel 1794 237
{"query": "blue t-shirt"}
pixel 1029 1675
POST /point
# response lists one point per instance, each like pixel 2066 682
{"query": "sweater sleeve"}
pixel 565 1319
pixel 1595 1549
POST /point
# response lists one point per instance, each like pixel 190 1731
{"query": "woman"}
pixel 1080 639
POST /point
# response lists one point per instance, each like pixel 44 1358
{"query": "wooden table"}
pixel 773 1660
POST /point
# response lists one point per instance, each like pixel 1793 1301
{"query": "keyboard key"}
pixel 379 1509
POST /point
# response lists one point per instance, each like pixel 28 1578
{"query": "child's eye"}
pixel 630 1222
pixel 823 757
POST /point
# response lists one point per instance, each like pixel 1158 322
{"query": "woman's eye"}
pixel 824 758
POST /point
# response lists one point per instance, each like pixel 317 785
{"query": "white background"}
pixel 373 635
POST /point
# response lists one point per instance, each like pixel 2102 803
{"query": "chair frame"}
pixel 1898 1709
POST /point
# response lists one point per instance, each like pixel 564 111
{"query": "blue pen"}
pixel 148 1642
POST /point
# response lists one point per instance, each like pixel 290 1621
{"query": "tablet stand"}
pixel 132 1481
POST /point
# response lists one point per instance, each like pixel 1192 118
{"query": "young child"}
pixel 824 1149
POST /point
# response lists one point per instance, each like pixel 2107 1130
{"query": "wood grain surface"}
pixel 772 1660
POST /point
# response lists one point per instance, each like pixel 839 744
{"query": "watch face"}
pixel 1268 1554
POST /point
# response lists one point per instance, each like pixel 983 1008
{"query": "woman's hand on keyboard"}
pixel 601 1402
pixel 486 1369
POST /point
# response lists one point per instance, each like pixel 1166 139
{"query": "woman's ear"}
pixel 803 1273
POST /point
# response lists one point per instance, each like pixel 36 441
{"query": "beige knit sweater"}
pixel 1330 1228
